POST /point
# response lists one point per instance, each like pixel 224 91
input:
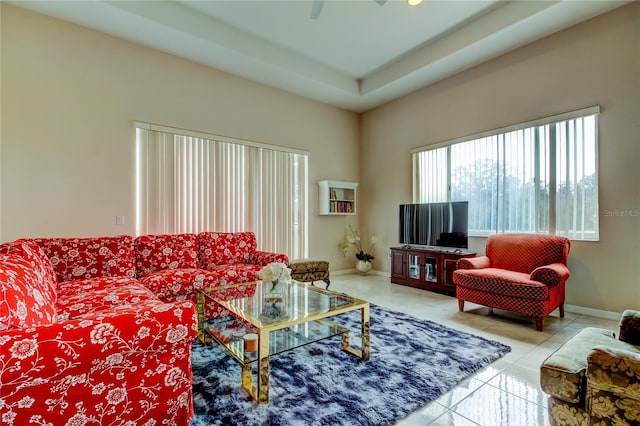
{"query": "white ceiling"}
pixel 357 55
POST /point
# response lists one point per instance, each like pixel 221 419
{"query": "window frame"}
pixel 551 162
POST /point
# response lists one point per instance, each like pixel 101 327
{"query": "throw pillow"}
pixel 225 248
pixel 162 252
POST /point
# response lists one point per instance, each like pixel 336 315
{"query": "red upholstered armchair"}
pixel 524 273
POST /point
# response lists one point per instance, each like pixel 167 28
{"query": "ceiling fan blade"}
pixel 317 8
pixel 381 2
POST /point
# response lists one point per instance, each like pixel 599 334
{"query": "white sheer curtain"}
pixel 188 183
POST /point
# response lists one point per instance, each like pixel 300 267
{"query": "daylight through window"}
pixel 538 177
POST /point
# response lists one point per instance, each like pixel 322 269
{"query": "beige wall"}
pixel 69 96
pixel 594 63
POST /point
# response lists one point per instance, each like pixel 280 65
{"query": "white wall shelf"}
pixel 337 198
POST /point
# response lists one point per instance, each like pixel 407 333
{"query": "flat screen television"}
pixel 435 224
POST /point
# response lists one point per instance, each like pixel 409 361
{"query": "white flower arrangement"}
pixel 352 239
pixel 274 272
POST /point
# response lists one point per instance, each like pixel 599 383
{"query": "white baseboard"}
pixel 355 271
pixel 343 272
pixel 598 313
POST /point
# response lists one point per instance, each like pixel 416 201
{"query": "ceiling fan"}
pixel 317 7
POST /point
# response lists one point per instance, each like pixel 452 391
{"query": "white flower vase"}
pixel 275 301
pixel 363 266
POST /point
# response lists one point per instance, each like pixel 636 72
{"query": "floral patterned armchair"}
pixel 594 378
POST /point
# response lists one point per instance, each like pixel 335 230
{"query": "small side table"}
pixel 307 270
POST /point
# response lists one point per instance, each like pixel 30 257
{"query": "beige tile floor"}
pixel 507 392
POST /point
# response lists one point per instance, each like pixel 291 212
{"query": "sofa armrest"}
pixel 629 330
pixel 614 370
pixel 264 258
pixel 479 262
pixel 551 275
pixel 129 364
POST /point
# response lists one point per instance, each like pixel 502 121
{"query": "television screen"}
pixel 435 224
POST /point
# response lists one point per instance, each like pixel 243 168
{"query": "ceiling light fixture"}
pixel 414 2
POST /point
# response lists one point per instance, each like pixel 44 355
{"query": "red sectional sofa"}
pixel 97 331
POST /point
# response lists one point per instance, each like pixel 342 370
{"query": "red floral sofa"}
pixel 83 342
pixel 97 331
pixel 175 265
pixel 524 273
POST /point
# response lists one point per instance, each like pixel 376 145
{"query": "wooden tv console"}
pixel 429 268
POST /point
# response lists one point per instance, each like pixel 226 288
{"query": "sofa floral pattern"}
pixel 229 248
pixel 77 258
pixel 172 265
pixel 99 330
pixel 127 366
pixel 594 378
pixel 165 252
pixel 106 293
pixel 176 267
pixel 27 287
pixel 222 248
pixel 102 350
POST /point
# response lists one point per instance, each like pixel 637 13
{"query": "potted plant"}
pixel 363 254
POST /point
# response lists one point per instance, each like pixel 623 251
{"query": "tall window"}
pixel 538 177
pixel 189 182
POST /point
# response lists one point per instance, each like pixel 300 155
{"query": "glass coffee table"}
pixel 299 314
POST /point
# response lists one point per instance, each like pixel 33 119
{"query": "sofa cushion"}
pixel 526 252
pixel 502 283
pixel 80 258
pixel 263 258
pixel 172 282
pixel 25 299
pixel 212 309
pixel 81 297
pixel 238 273
pixel 160 252
pixel 563 373
pixel 29 250
pixel 220 248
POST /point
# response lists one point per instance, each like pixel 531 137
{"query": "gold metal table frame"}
pixel 309 309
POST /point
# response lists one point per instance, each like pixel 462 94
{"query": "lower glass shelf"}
pixel 229 332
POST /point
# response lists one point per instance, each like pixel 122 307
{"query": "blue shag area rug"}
pixel 413 361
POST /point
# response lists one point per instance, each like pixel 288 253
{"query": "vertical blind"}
pixel 189 182
pixel 538 177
